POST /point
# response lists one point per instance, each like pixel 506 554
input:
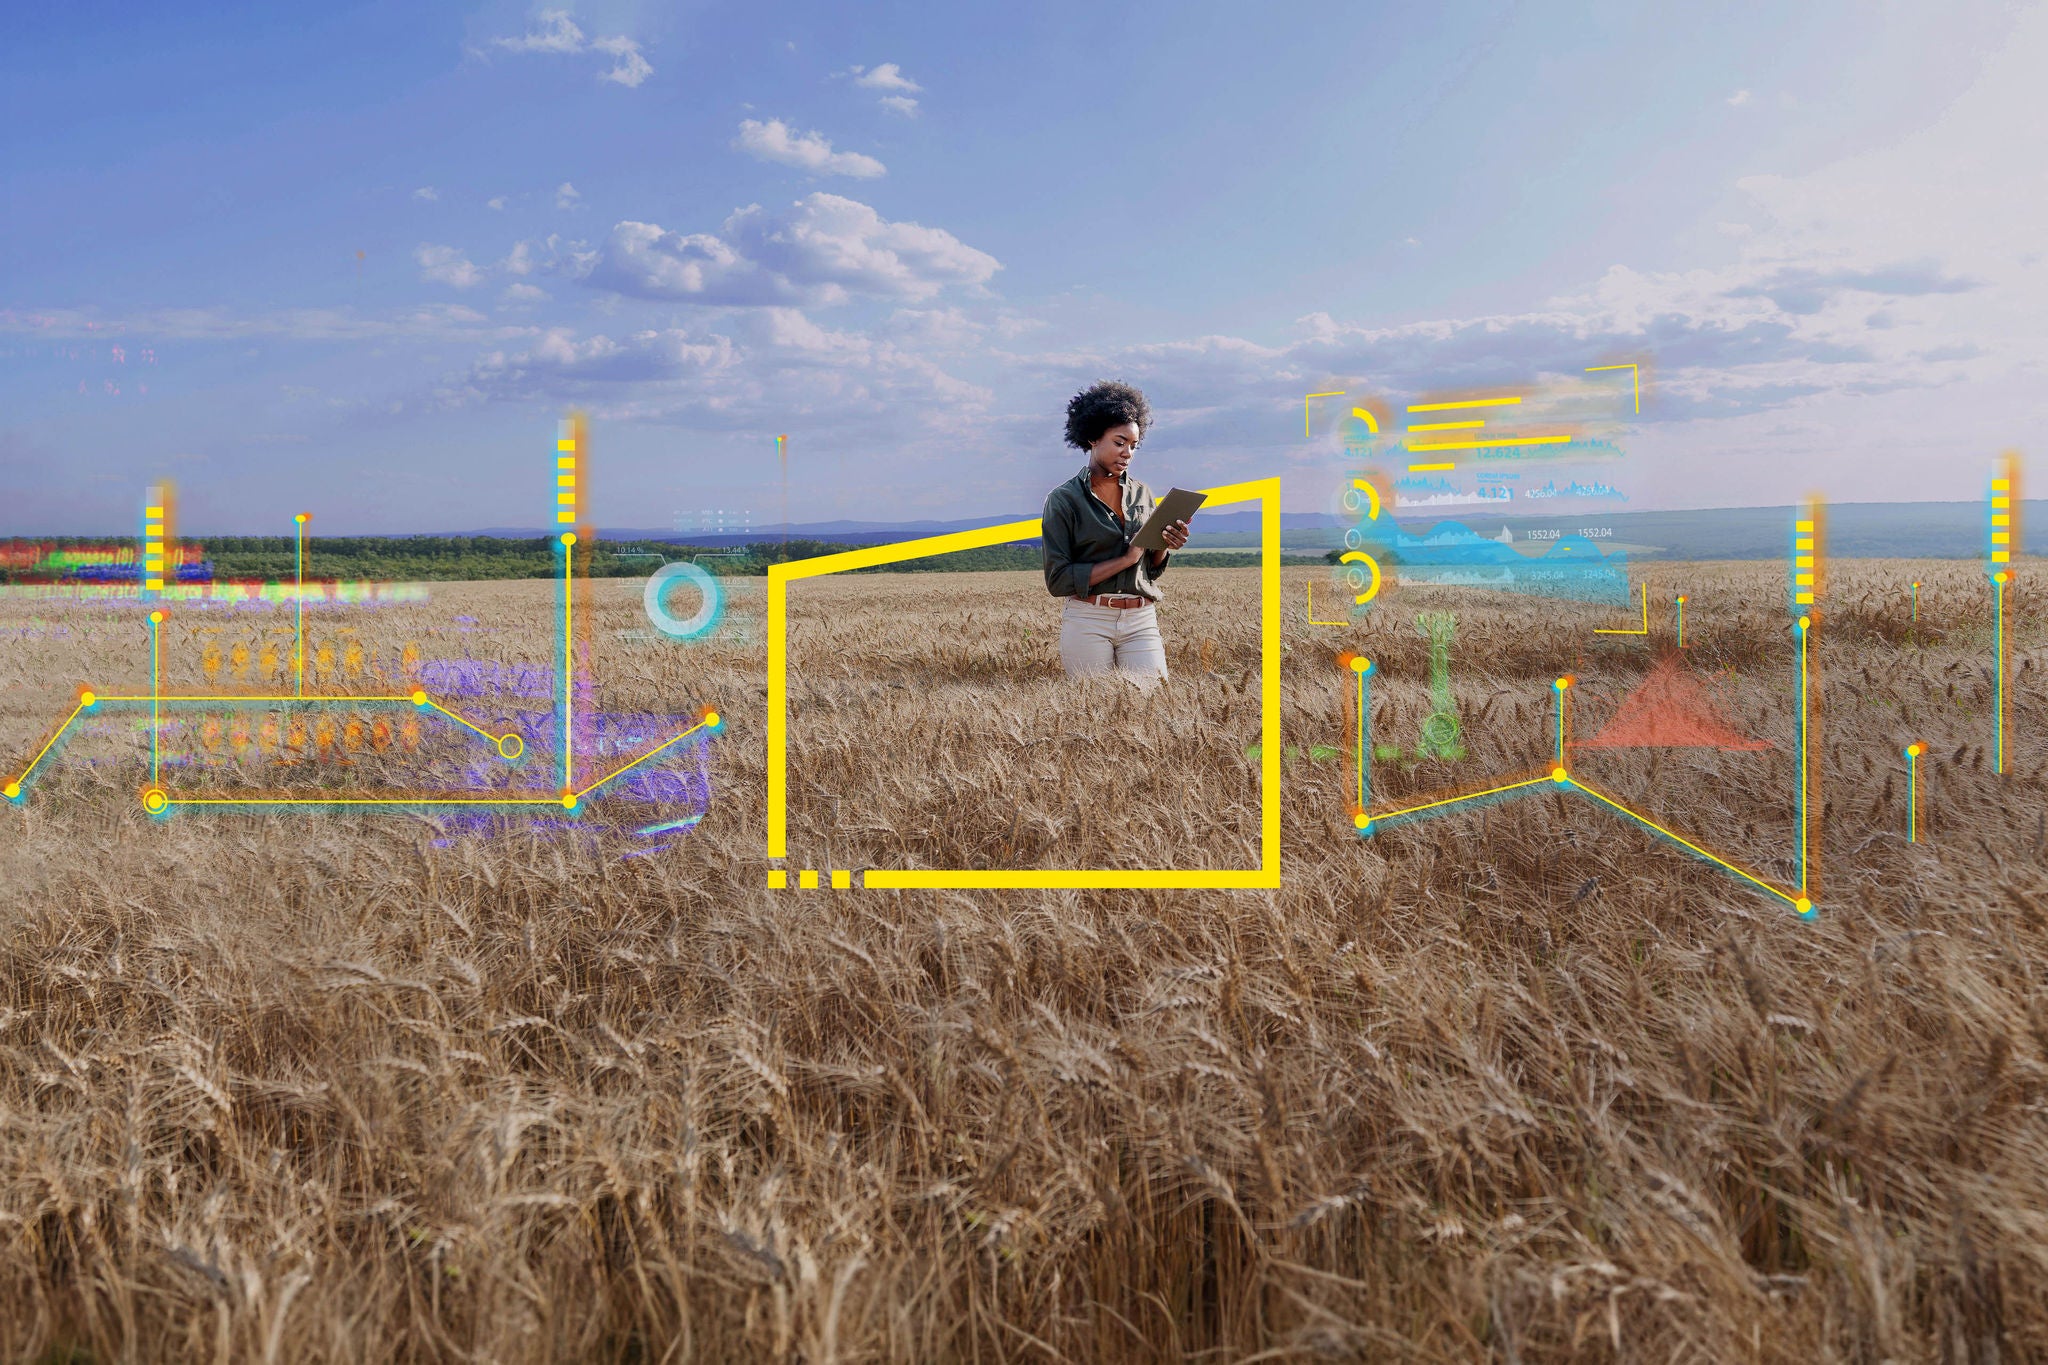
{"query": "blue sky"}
pixel 358 259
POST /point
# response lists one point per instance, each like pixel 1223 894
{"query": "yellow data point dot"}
pixel 1682 597
pixel 777 879
pixel 568 800
pixel 510 746
pixel 711 718
pixel 1913 749
pixel 156 618
pixel 1361 820
pixel 302 517
pixel 568 537
pixel 13 790
pixel 86 699
pixel 1563 683
pixel 154 801
pixel 1558 775
pixel 1359 663
pixel 1803 905
pixel 419 699
pixel 1998 577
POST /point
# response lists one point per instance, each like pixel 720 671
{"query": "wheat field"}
pixel 1521 1082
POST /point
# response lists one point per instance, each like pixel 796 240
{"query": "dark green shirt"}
pixel 1080 531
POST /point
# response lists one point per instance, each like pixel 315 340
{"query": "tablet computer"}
pixel 1178 505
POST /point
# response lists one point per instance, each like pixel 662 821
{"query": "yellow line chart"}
pixel 158 800
pixel 1560 778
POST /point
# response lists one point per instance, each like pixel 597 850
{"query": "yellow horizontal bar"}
pixel 566 462
pixel 1804 598
pixel 1802 545
pixel 1333 393
pixel 2001 557
pixel 1445 426
pixel 565 480
pixel 1422 468
pixel 566 443
pixel 2001 502
pixel 2001 518
pixel 566 499
pixel 2001 537
pixel 1463 403
pixel 1499 441
pixel 1802 562
pixel 2001 485
pixel 154 529
pixel 1804 527
pixel 906 879
pixel 565 515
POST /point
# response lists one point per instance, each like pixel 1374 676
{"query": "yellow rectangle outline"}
pixel 1266 876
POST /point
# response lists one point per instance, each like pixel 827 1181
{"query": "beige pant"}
pixel 1100 639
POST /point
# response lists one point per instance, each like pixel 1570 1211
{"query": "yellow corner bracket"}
pixel 1266 876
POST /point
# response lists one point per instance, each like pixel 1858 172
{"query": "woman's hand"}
pixel 1176 535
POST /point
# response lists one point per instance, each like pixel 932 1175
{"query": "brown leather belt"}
pixel 1116 599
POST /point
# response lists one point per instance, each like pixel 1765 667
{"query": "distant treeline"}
pixel 442 558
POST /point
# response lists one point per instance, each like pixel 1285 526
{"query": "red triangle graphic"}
pixel 1669 710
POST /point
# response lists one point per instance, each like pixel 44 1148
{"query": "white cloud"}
pixel 566 196
pixel 519 261
pixel 776 141
pixel 426 192
pixel 559 34
pixel 888 76
pixel 434 322
pixel 447 265
pixel 524 293
pixel 495 202
pixel 825 250
pixel 629 67
pixel 767 364
pixel 1739 98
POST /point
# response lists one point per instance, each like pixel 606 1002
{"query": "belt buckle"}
pixel 1119 599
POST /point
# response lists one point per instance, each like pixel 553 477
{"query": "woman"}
pixel 1109 620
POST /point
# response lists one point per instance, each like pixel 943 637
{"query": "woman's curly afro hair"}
pixel 1102 405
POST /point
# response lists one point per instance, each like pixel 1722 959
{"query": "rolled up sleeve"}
pixel 1064 577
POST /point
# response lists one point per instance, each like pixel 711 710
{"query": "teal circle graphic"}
pixel 655 600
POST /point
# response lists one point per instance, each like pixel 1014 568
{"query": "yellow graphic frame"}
pixel 1266 876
